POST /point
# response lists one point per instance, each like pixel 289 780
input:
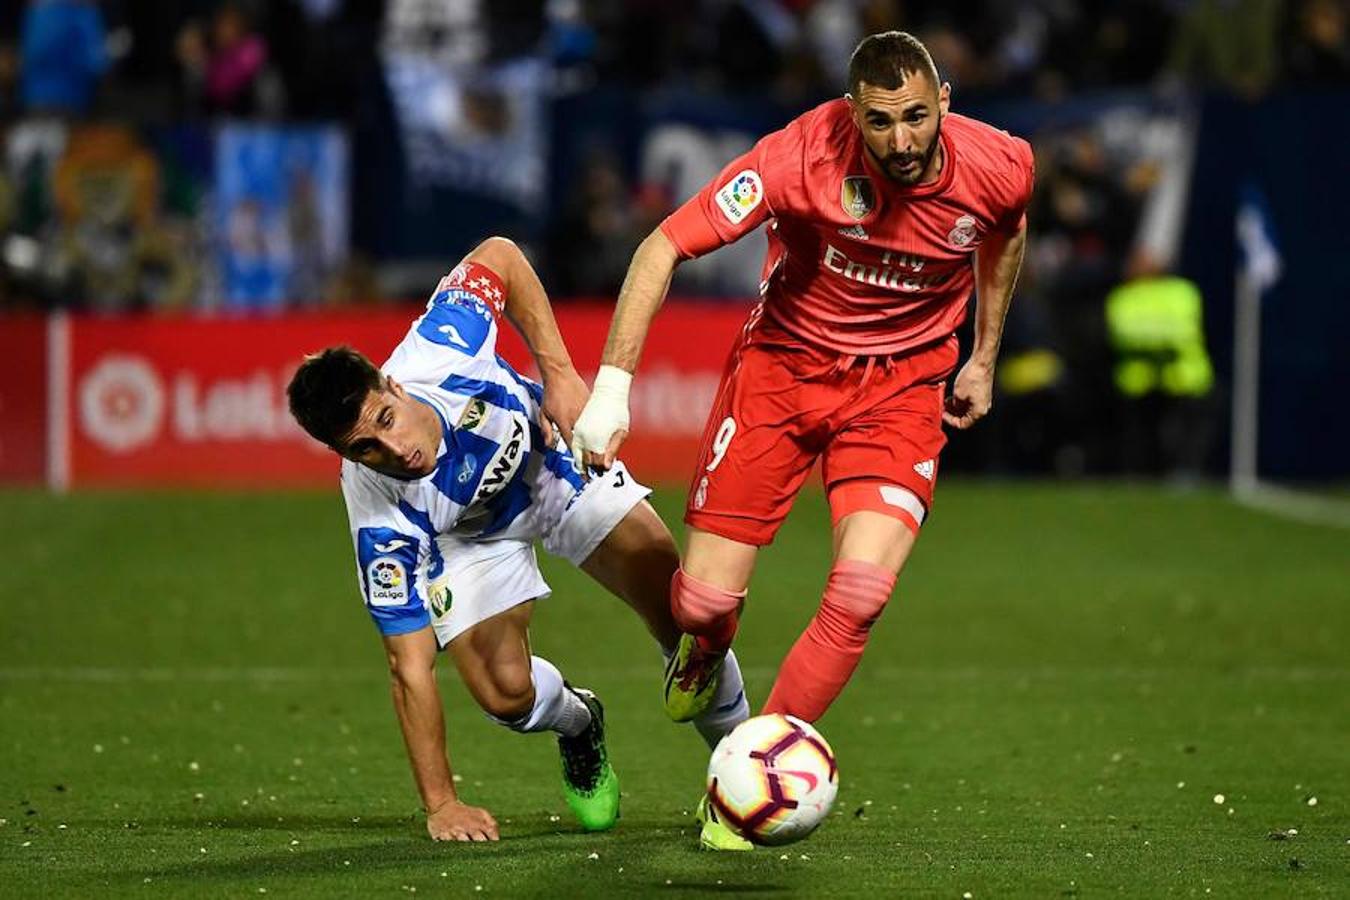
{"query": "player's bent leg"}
pixel 527 693
pixel 719 560
pixel 708 592
pixel 706 596
pixel 636 562
pixel 871 547
pixel 493 659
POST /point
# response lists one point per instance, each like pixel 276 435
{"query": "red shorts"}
pixel 783 403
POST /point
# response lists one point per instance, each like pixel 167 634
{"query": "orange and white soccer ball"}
pixel 773 779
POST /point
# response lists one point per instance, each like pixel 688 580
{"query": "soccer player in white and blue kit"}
pixel 451 471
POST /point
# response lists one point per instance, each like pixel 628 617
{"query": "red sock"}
pixel 824 657
pixel 708 612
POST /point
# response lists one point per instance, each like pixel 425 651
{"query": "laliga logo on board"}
pixel 121 403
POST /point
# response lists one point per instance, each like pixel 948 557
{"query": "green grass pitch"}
pixel 193 703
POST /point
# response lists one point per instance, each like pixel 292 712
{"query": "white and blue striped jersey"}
pixel 494 480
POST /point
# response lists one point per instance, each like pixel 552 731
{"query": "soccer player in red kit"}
pixel 884 211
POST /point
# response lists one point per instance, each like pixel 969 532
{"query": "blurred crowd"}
pixel 1040 48
pixel 306 58
pixel 111 184
pixel 104 191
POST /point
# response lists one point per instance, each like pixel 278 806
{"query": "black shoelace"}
pixel 584 755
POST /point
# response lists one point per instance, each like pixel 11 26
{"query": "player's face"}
pixel 900 127
pixel 395 434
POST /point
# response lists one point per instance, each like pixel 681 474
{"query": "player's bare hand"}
pixel 971 397
pixel 565 395
pixel 455 821
pixel 603 423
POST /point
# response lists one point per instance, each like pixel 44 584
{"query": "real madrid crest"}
pixel 857 196
pixel 963 231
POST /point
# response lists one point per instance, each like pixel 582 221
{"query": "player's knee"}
pixel 508 696
pixel 859 591
pixel 695 604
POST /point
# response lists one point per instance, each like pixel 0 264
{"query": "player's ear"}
pixel 945 97
pixel 393 386
pixel 854 109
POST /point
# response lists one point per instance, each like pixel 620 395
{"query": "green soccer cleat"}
pixel 691 679
pixel 589 782
pixel 714 835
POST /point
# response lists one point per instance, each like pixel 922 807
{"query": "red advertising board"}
pixel 201 401
pixel 23 399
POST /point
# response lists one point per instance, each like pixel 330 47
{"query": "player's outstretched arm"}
pixel 997 264
pixel 643 292
pixel 528 308
pixel 603 423
pixel 417 700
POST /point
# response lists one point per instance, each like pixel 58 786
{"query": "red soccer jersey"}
pixel 856 262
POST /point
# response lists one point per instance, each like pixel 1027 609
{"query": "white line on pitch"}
pixel 1298 506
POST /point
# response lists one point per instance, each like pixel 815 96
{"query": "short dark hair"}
pixel 328 390
pixel 887 59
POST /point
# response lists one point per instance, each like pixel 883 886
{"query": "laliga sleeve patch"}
pixel 388 560
pixel 387 582
pixel 739 196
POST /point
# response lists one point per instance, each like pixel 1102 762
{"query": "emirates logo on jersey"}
pixel 857 196
pixel 892 271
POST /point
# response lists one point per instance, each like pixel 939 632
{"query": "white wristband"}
pixel 604 414
pixel 613 382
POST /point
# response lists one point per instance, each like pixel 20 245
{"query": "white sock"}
pixel 729 708
pixel 555 707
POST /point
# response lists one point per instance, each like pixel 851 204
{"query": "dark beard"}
pixel 899 159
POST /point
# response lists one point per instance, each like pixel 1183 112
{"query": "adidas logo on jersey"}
pixel 925 469
pixel 857 232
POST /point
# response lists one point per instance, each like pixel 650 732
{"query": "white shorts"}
pixel 485 577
